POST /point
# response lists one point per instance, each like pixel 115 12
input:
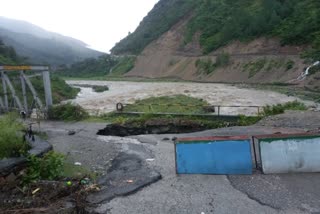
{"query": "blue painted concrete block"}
pixel 229 156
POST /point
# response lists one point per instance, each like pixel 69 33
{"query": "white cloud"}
pixel 99 23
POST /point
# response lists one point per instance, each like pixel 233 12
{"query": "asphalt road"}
pixel 181 193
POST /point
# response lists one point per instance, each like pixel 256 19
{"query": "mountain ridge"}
pixel 42 46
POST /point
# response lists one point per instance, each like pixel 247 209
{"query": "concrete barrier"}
pixel 289 153
pixel 214 155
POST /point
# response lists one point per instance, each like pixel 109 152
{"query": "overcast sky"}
pixel 99 23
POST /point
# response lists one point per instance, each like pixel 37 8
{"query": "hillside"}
pixel 8 55
pixel 265 41
pixel 41 46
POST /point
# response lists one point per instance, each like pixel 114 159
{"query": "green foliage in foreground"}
pixel 68 112
pixel 281 108
pixel 11 137
pixel 50 167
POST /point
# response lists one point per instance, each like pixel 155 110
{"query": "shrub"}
pixel 314 70
pixel 50 167
pixel 280 108
pixel 12 143
pixel 206 66
pixel 99 89
pixel 67 111
pixel 289 65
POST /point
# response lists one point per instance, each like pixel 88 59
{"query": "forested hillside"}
pixel 219 22
pixel 8 55
pixel 159 20
pixel 98 67
pixel 91 67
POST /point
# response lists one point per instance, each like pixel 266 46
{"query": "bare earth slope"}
pixel 167 57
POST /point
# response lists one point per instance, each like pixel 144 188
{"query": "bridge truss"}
pixel 9 95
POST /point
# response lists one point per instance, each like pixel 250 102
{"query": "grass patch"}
pixel 68 112
pixel 274 63
pixel 172 104
pixel 179 104
pixel 11 137
pixel 281 108
pixel 254 67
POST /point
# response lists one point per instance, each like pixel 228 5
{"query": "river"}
pixel 215 94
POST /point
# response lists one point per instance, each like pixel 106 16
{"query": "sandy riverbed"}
pixel 215 94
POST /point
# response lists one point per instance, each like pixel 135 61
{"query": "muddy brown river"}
pixel 215 94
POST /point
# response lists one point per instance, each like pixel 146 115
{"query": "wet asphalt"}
pixel 130 169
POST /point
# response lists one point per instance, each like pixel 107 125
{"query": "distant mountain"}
pixel 41 46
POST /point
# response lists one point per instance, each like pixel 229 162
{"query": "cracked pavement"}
pixel 184 193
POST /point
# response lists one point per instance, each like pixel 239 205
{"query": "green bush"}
pixel 247 121
pixel 99 89
pixel 12 143
pixel 280 108
pixel 289 65
pixel 68 112
pixel 50 167
pixel 314 70
pixel 206 66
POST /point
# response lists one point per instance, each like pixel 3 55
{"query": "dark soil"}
pixel 43 197
pixel 154 126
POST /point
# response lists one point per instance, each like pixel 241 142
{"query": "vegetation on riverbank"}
pixel 67 112
pixel 11 137
pixel 100 68
pixel 91 67
pixel 288 89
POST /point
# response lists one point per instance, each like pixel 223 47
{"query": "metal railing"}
pixel 212 110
